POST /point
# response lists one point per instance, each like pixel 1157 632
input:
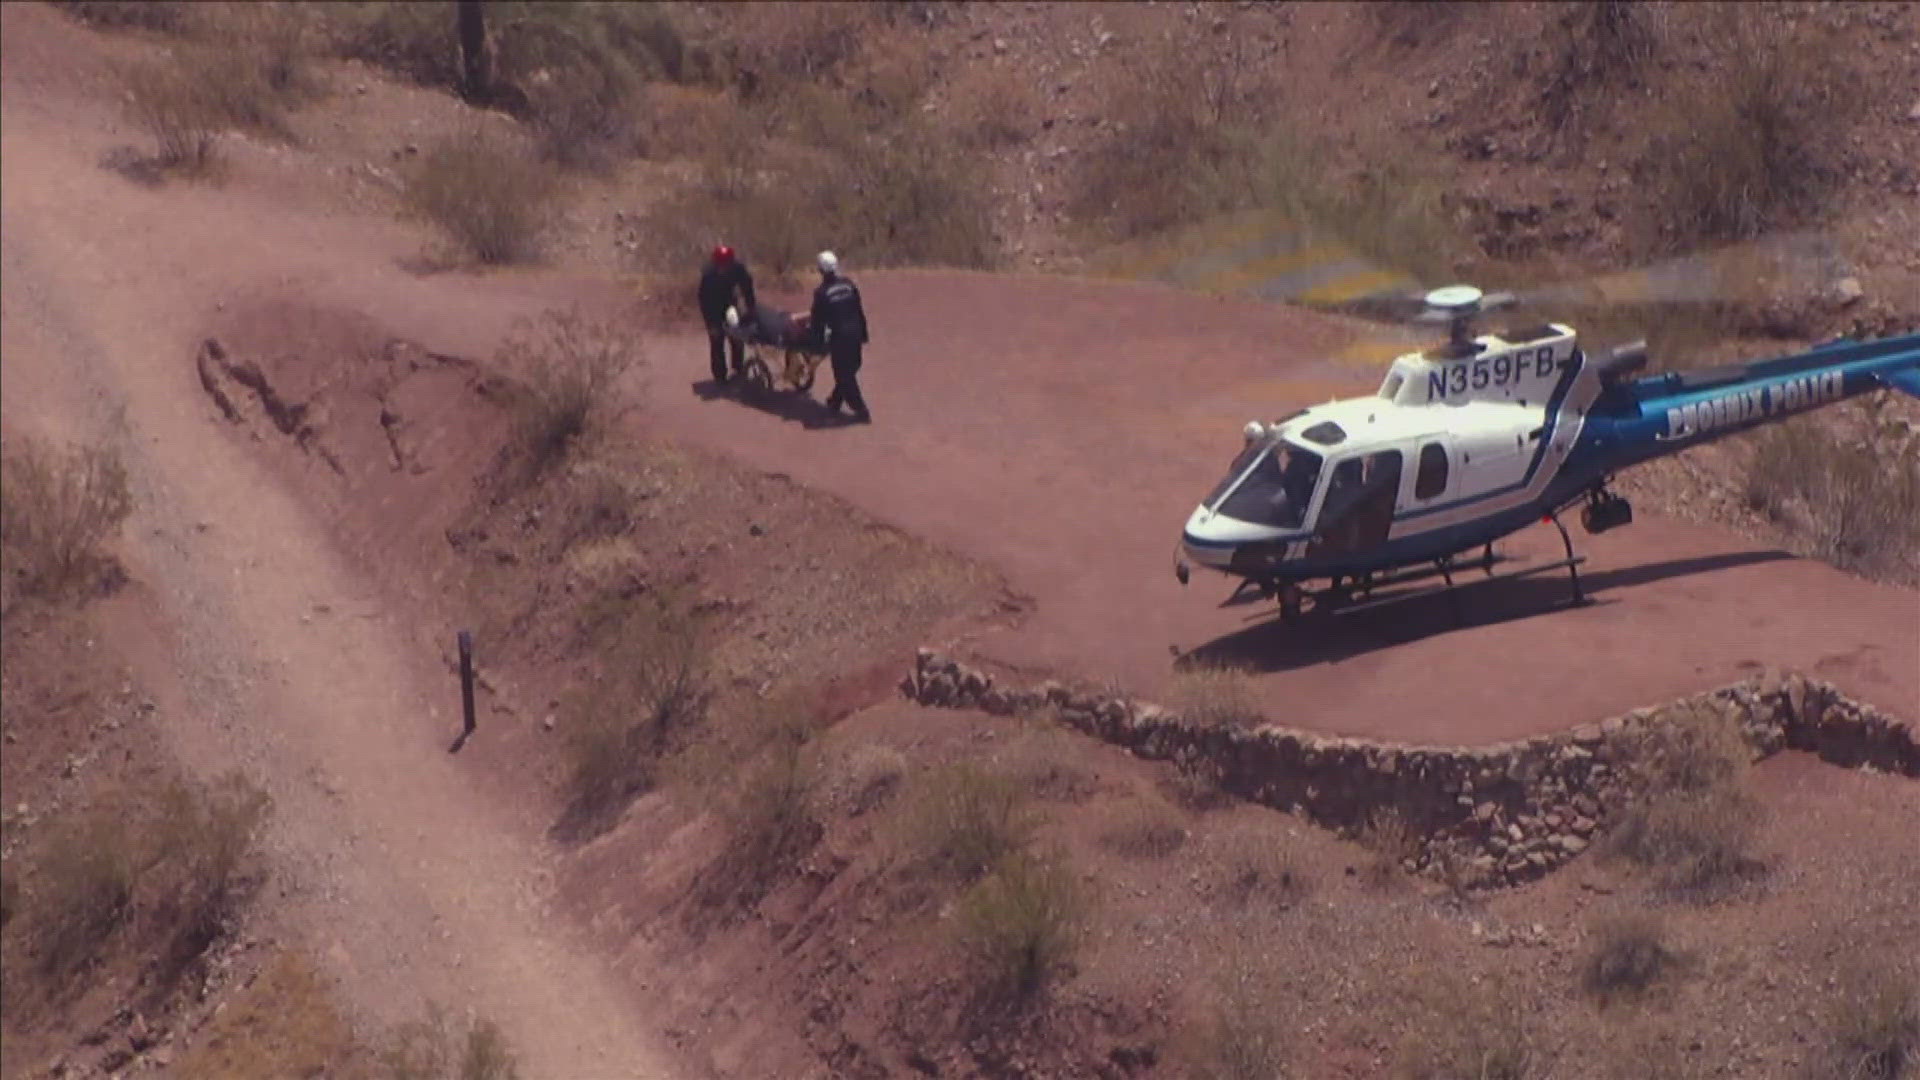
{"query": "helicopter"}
pixel 1476 438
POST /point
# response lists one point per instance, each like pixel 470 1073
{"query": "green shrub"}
pixel 966 820
pixel 1020 926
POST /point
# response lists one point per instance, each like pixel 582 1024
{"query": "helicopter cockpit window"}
pixel 1326 433
pixel 1241 462
pixel 1278 489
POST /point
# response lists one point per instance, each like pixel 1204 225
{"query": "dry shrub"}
pixel 1764 141
pixel 1629 954
pixel 1604 41
pixel 769 818
pixel 1146 832
pixel 1185 151
pixel 58 507
pixel 1855 506
pixel 652 697
pixel 1020 926
pixel 1391 841
pixel 487 194
pixel 163 874
pixel 1217 696
pixel 1693 826
pixel 966 819
pixel 160 16
pixel 989 110
pixel 1259 871
pixel 866 777
pixel 1482 1033
pixel 416 41
pixel 1873 1024
pixel 776 46
pixel 571 368
pixel 429 1049
pixel 1242 1035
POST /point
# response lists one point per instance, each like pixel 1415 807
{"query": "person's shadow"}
pixel 794 406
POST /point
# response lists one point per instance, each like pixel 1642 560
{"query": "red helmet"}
pixel 723 254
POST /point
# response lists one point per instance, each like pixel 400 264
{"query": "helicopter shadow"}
pixel 1271 646
pixel 792 406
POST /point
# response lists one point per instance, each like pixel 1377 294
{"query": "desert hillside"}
pixel 807 749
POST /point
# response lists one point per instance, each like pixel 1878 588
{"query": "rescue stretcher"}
pixel 790 334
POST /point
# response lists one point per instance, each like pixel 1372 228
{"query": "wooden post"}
pixel 466 692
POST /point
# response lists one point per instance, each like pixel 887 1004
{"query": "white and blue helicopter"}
pixel 1475 439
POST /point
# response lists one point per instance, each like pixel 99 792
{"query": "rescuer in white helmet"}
pixel 841 321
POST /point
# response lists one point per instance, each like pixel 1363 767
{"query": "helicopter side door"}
pixel 1357 511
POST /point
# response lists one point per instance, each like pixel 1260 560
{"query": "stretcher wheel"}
pixel 759 379
pixel 800 371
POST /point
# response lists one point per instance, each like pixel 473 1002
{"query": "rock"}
pixel 547 724
pixel 755 529
pixel 1584 826
pixel 999 45
pixel 1847 291
pixel 1914 113
pixel 1572 845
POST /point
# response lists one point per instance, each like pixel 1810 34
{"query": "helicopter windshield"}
pixel 1277 490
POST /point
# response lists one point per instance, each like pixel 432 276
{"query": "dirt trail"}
pixel 267 652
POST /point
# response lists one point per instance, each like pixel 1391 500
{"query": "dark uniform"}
pixel 723 279
pixel 837 314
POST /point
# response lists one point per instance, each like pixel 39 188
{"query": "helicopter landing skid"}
pixel 1349 597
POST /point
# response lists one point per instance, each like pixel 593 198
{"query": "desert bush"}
pixel 1764 142
pixel 866 777
pixel 1697 844
pixel 1602 42
pixel 1185 152
pixel 1857 507
pixel 1259 871
pixel 1390 841
pixel 58 506
pixel 429 1049
pixel 1242 1035
pixel 167 873
pixel 177 110
pixel 1146 832
pixel 1482 1035
pixel 990 111
pixel 570 367
pixel 160 16
pixel 1696 749
pixel 415 41
pixel 965 819
pixel 1021 925
pixel 1217 696
pixel 653 695
pixel 1628 955
pixel 487 195
pixel 1873 1024
pixel 770 821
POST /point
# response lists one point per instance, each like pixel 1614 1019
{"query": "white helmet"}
pixel 733 316
pixel 829 263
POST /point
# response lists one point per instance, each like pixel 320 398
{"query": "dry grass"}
pixel 1762 144
pixel 1628 956
pixel 1020 927
pixel 1216 696
pixel 1147 831
pixel 1604 42
pixel 964 819
pixel 158 16
pixel 58 507
pixel 865 778
pixel 486 194
pixel 990 111
pixel 769 817
pixel 1873 1024
pixel 571 368
pixel 1855 506
pixel 1478 1033
pixel 1390 841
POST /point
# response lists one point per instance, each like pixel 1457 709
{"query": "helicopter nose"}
pixel 1200 541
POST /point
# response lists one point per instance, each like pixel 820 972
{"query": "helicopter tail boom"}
pixel 1661 414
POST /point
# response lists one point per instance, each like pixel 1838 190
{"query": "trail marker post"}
pixel 466 691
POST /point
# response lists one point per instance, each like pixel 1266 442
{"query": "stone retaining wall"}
pixel 1501 814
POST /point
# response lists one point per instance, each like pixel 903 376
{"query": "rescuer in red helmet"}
pixel 724 279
